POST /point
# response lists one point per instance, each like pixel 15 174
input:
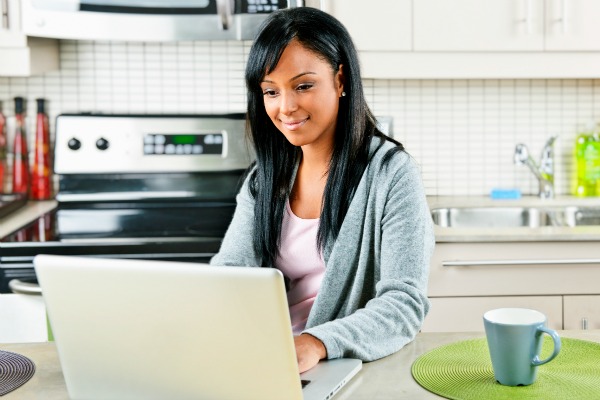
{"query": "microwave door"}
pixel 143 20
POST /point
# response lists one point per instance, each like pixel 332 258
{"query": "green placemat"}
pixel 463 371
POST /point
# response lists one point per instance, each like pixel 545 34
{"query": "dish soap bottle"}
pixel 587 157
pixel 40 177
pixel 20 155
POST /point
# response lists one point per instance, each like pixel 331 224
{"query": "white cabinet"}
pixel 506 25
pixel 473 39
pixel 475 25
pixel 382 25
pixel 572 25
pixel 21 55
pixel 559 279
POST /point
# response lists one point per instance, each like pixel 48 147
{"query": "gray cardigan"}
pixel 373 297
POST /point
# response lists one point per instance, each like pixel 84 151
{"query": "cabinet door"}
pixel 19 54
pixel 376 25
pixel 582 312
pixel 572 25
pixel 475 25
pixel 465 314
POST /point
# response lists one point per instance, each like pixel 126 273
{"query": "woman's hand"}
pixel 309 350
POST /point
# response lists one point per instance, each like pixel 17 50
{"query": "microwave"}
pixel 148 20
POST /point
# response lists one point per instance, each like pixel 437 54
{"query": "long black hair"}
pixel 276 158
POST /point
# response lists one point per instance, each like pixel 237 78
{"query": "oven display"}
pixel 183 144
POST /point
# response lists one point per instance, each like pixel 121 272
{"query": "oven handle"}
pixel 20 287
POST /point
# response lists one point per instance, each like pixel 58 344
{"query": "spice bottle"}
pixel 3 144
pixel 40 176
pixel 20 175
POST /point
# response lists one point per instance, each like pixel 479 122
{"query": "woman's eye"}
pixel 304 86
pixel 269 93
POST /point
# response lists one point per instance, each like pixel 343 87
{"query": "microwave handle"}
pixel 225 10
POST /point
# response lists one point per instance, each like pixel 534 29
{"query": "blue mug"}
pixel 514 337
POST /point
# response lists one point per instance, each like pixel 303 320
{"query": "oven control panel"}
pixel 92 144
pixel 182 144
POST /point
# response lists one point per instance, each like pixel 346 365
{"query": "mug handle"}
pixel 556 339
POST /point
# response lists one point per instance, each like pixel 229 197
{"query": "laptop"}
pixel 136 329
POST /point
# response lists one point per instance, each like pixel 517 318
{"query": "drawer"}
pixel 525 268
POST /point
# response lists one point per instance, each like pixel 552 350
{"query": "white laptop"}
pixel 131 329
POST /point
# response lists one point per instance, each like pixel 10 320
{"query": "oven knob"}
pixel 74 144
pixel 102 144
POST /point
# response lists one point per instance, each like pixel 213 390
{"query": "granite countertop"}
pixel 387 378
pixel 541 234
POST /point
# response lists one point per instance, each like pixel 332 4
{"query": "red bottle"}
pixel 20 176
pixel 3 143
pixel 41 188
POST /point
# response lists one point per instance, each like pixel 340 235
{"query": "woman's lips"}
pixel 294 125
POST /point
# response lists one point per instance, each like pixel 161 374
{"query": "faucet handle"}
pixel 547 159
pixel 521 154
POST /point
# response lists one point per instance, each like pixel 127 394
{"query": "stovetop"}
pixel 150 222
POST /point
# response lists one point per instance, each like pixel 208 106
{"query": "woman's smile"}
pixel 294 125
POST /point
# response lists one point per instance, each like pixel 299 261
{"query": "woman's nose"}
pixel 288 103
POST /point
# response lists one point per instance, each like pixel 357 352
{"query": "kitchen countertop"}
pixel 34 209
pixel 388 378
pixel 524 234
pixel 24 215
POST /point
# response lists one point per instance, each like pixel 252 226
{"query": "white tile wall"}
pixel 462 132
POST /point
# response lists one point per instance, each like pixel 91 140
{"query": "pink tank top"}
pixel 301 262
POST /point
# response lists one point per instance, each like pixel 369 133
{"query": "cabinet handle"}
pixel 225 10
pixel 4 9
pixel 584 323
pixel 469 263
pixel 528 18
pixel 563 19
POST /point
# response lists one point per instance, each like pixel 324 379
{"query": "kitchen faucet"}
pixel 544 171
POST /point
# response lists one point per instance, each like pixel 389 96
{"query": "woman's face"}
pixel 301 97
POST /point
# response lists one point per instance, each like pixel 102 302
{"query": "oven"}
pixel 157 187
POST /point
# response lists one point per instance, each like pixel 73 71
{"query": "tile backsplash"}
pixel 461 132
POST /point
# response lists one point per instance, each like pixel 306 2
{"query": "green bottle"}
pixel 587 157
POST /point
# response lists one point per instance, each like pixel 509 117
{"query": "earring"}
pixel 343 94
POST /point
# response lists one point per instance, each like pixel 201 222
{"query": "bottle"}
pixel 3 143
pixel 587 159
pixel 40 176
pixel 20 175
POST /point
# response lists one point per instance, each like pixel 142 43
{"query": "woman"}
pixel 333 203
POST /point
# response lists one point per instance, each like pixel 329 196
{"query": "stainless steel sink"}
pixel 515 217
pixel 581 216
pixel 491 217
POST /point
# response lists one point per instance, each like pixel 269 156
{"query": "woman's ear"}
pixel 340 81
